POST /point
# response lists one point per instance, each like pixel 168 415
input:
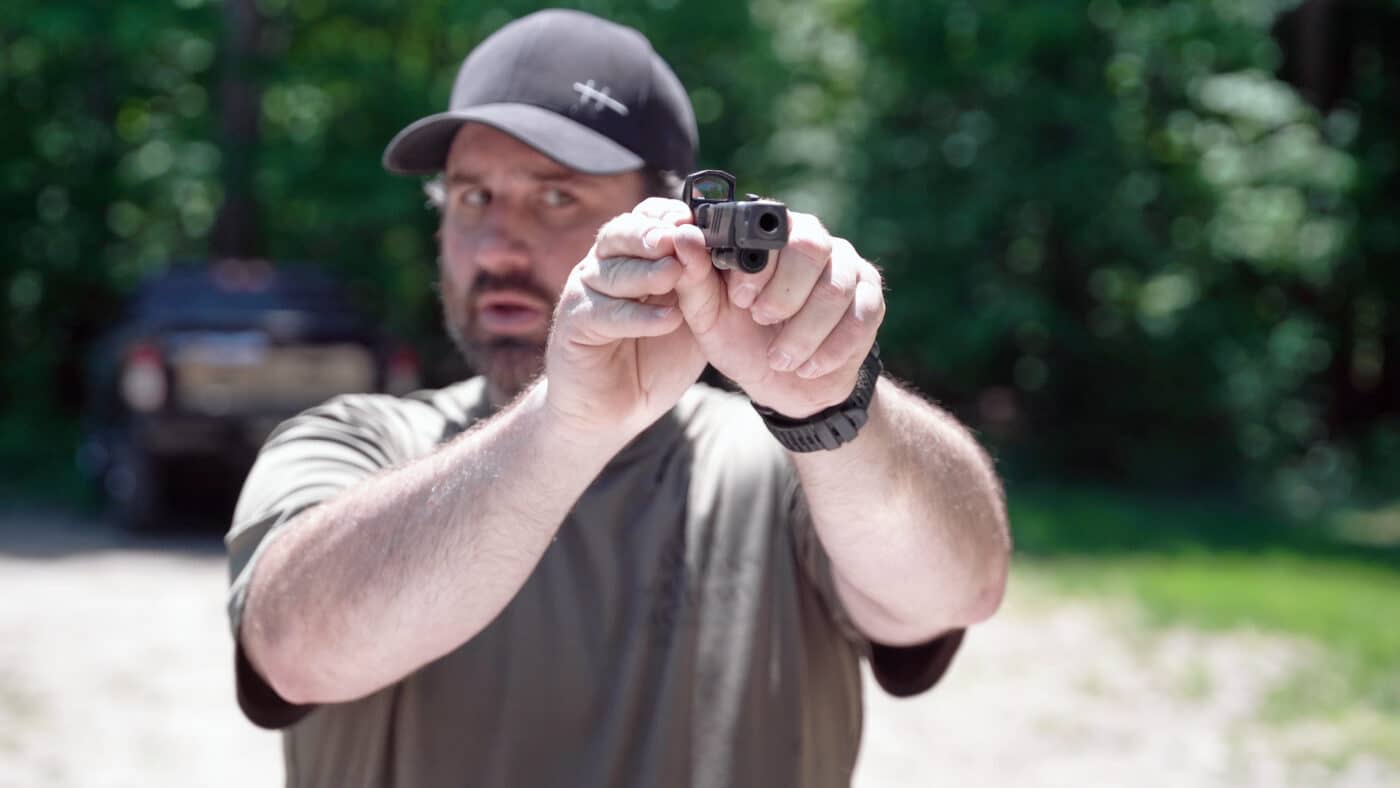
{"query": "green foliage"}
pixel 105 169
pixel 1115 242
pixel 1112 236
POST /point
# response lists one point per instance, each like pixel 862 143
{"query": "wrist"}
pixel 587 435
pixel 832 427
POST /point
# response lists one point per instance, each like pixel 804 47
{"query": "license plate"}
pixel 220 380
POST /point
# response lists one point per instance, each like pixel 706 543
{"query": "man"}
pixel 606 574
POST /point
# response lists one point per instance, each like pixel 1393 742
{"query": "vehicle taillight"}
pixel 401 373
pixel 143 378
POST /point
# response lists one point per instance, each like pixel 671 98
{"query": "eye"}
pixel 474 196
pixel 557 198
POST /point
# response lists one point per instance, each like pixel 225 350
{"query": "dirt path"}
pixel 1056 693
pixel 113 665
pixel 114 654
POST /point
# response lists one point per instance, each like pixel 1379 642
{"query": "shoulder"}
pixel 325 449
pixel 395 424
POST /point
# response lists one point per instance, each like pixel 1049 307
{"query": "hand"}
pixel 792 336
pixel 620 354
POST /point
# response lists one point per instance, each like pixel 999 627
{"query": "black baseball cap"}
pixel 588 93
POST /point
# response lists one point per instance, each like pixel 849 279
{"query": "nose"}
pixel 501 247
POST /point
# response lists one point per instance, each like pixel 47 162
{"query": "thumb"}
pixel 700 291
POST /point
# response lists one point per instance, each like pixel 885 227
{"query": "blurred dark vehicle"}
pixel 207 359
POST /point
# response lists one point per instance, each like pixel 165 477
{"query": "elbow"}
pixel 988 591
pixel 284 663
pixel 988 586
pixel 292 684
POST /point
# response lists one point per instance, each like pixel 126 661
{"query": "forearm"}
pixel 912 517
pixel 401 569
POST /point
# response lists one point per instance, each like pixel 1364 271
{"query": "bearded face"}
pixel 514 224
pixel 509 361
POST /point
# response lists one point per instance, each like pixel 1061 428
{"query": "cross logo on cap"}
pixel 588 91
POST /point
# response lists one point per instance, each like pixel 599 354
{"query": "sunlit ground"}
pixel 1143 643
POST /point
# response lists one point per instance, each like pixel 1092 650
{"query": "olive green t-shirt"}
pixel 681 630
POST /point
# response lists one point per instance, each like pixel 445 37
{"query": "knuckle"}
pixel 840 345
pixel 868 305
pixel 609 229
pixel 831 291
pixel 779 305
pixel 800 347
pixel 805 223
pixel 658 206
pixel 808 234
pixel 814 250
pixel 874 277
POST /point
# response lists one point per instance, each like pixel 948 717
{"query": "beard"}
pixel 509 363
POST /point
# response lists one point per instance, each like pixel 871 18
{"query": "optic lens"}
pixel 710 188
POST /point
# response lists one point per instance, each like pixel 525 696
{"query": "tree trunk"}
pixel 1317 67
pixel 236 231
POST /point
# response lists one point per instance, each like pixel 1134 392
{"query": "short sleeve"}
pixel 902 671
pixel 307 460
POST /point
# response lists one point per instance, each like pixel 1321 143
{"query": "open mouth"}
pixel 511 313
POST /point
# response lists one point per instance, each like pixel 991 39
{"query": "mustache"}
pixel 486 282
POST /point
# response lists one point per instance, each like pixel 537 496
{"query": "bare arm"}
pixel 406 566
pixel 910 512
pixel 399 570
pixel 912 517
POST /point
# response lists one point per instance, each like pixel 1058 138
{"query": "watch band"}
pixel 830 428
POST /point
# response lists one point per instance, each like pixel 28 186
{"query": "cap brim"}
pixel 421 148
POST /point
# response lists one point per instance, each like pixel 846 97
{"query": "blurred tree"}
pixel 104 170
pixel 1115 241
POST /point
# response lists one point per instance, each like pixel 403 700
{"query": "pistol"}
pixel 739 233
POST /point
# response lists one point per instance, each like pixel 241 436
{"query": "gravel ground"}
pixel 114 671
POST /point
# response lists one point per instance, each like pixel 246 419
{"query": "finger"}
pixel 744 287
pixel 805 331
pixel 631 277
pixel 699 291
pixel 663 209
pixel 634 235
pixel 598 318
pixel 853 335
pixel 796 271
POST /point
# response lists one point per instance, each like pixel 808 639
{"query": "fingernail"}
pixel 808 370
pixel 653 237
pixel 662 311
pixel 764 318
pixel 779 360
pixel 745 294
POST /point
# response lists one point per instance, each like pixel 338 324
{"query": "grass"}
pixel 1220 567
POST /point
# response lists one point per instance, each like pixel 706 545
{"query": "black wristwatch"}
pixel 838 424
